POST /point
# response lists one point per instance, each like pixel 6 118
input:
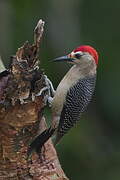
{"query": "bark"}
pixel 21 117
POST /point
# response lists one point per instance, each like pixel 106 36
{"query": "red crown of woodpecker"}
pixel 90 50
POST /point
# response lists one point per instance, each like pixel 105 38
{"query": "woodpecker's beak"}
pixel 64 58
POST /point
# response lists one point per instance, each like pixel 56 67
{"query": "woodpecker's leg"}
pixel 50 91
pixel 49 100
pixel 50 85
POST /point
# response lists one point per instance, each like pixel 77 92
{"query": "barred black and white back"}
pixel 77 99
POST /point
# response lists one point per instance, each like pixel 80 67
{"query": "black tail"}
pixel 39 141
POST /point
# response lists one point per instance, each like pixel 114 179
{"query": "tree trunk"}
pixel 21 117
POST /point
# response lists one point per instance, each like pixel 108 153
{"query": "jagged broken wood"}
pixel 21 117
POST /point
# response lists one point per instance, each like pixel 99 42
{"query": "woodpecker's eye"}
pixel 77 55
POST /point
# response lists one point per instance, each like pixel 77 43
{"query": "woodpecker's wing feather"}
pixel 77 100
pixel 38 142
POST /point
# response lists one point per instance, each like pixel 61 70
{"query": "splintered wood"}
pixel 21 117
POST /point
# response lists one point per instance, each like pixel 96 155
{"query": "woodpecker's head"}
pixel 82 55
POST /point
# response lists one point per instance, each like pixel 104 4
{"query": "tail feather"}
pixel 39 141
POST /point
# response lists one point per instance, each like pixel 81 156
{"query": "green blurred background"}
pixel 91 150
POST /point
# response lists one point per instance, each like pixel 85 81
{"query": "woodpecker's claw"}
pixel 50 91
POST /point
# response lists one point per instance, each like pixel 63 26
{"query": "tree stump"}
pixel 22 118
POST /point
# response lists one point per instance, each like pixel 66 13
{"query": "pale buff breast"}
pixel 71 78
pixel 62 89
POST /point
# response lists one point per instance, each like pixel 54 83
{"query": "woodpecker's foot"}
pixel 48 91
pixel 51 91
pixel 50 85
pixel 49 100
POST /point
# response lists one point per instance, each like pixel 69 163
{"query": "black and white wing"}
pixel 77 100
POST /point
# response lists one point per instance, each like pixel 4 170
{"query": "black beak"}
pixel 63 58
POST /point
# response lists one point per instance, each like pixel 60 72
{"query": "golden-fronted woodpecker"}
pixel 72 95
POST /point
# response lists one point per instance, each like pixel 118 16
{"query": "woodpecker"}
pixel 72 95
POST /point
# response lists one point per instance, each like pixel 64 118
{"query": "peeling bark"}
pixel 21 118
